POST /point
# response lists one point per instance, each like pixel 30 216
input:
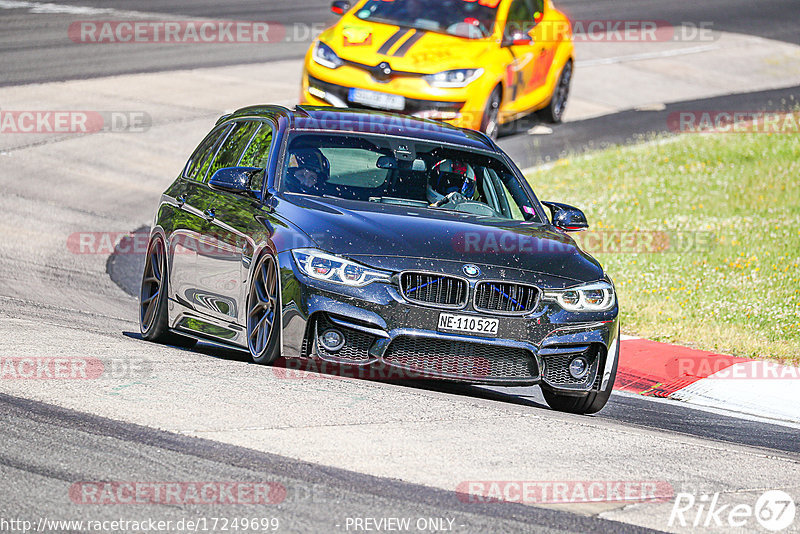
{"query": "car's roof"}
pixel 321 118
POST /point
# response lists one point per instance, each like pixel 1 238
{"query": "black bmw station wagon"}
pixel 378 240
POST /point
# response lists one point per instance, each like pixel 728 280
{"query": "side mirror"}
pixel 387 162
pixel 567 217
pixel 234 179
pixel 518 38
pixel 340 7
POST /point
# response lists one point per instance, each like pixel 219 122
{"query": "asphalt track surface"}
pixel 37 49
pixel 316 497
pixel 44 447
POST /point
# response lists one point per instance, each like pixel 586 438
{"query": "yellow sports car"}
pixel 472 63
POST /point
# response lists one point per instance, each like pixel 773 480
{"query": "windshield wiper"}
pixel 399 201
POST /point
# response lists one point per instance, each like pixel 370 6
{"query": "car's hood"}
pixel 373 230
pixel 411 50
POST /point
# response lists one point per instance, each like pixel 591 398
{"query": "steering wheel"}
pixel 455 197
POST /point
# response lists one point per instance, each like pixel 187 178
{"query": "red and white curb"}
pixel 751 387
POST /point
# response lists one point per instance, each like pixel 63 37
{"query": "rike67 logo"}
pixel 774 510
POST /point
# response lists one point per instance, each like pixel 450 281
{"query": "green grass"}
pixel 740 293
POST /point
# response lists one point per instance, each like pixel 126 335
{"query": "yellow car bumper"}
pixel 462 107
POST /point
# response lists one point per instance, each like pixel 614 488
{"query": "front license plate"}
pixel 467 324
pixel 377 100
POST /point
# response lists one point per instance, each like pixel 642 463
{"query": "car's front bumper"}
pixel 384 330
pixel 462 107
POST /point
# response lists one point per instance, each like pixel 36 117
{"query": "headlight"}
pixel 325 56
pixel 597 296
pixel 454 78
pixel 322 266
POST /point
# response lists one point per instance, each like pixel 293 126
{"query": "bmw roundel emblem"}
pixel 471 270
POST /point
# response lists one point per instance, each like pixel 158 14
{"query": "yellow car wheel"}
pixel 554 112
pixel 490 123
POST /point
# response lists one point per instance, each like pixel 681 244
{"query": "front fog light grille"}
pixel 355 347
pixel 557 368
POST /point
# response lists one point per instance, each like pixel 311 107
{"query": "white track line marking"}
pixel 648 55
pixel 709 409
pixel 62 9
pixel 35 7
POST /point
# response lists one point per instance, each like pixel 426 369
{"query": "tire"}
pixel 263 312
pixel 554 112
pixel 591 403
pixel 490 124
pixel 153 313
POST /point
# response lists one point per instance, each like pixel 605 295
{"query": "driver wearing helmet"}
pixel 308 171
pixel 452 176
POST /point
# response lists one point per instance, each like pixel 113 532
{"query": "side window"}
pixel 520 17
pixel 202 170
pixel 233 146
pixel 505 195
pixel 489 193
pixel 518 202
pixel 538 9
pixel 513 208
pixel 203 153
pixel 257 152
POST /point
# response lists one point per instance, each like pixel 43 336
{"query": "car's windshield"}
pixel 464 18
pixel 390 170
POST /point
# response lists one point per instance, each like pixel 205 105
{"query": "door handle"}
pixel 181 200
pixel 210 214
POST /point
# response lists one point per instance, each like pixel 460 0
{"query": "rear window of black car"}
pixel 197 165
pixel 257 152
pixel 232 148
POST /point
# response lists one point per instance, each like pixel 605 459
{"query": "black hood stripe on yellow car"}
pixel 411 41
pixel 384 49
